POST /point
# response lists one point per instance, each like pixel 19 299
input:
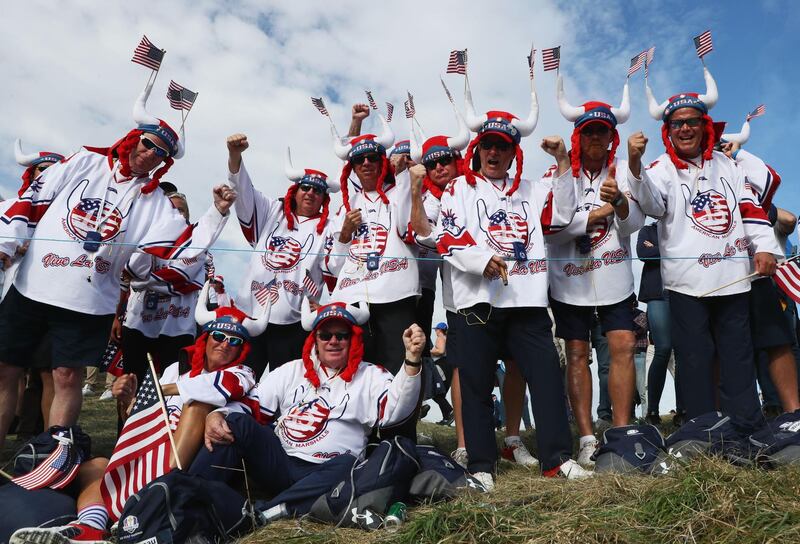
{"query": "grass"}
pixel 706 501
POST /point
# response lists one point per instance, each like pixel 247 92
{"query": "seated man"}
pixel 322 407
pixel 211 375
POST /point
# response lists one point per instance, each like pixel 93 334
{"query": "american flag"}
pixel 211 270
pixel 551 58
pixel 411 111
pixel 457 63
pixel 148 54
pixel 267 292
pixel 111 361
pixel 310 286
pixel 320 105
pixel 84 217
pixel 531 59
pixel 447 91
pixel 389 111
pixel 636 63
pixel 180 98
pixel 142 451
pixel 758 112
pixel 703 44
pixel 787 276
pixel 56 471
pixel 710 210
pixel 651 53
pixel 372 103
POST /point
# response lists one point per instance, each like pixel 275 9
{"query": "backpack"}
pixel 439 477
pixel 375 483
pixel 630 449
pixel 711 434
pixel 179 507
pixel 33 452
pixel 33 508
pixel 778 444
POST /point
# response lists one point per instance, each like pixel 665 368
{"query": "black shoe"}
pixel 771 412
pixel 653 419
pixel 423 411
pixel 447 420
pixel 679 419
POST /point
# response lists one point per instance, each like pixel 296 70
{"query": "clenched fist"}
pixel 224 197
pixel 637 143
pixel 360 111
pixel 414 341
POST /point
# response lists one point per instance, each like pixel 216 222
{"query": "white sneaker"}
pixel 486 480
pixel 107 395
pixel 460 456
pixel 570 470
pixel 585 454
pixel 87 390
pixel 517 452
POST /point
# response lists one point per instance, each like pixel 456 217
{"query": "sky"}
pixel 68 79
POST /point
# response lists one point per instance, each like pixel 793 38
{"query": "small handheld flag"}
pixel 180 98
pixel 758 112
pixel 457 63
pixel 148 54
pixel 551 58
pixel 703 44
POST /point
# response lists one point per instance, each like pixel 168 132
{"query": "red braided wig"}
pixel 575 152
pixel 355 355
pixel 706 145
pixel 386 176
pixel 470 174
pixel 196 355
pixel 122 152
pixel 289 206
pixel 434 189
pixel 27 178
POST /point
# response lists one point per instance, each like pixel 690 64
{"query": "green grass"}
pixel 706 501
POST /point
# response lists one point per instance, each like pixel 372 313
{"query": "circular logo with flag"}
pixel 710 212
pixel 306 420
pixel 83 218
pixel 506 228
pixel 598 233
pixel 282 252
pixel 368 238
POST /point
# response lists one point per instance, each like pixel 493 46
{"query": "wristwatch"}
pixel 619 200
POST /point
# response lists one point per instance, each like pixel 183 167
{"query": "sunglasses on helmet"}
pixel 325 336
pixel 305 187
pixel 499 145
pixel 150 144
pixel 595 129
pixel 219 336
pixel 443 161
pixel 691 122
pixel 371 157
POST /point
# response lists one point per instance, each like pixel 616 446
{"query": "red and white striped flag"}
pixel 112 360
pixel 320 105
pixel 310 286
pixel 758 112
pixel 148 54
pixel 703 44
pixel 636 63
pixel 787 276
pixel 267 292
pixel 651 53
pixel 551 58
pixel 372 103
pixel 142 451
pixel 56 471
pixel 457 63
pixel 180 98
pixel 389 112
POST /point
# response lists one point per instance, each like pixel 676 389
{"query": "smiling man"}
pixel 104 203
pixel 710 225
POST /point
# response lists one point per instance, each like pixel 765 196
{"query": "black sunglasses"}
pixel 497 144
pixel 692 122
pixel 443 161
pixel 150 144
pixel 595 129
pixel 371 157
pixel 325 336
pixel 219 336
pixel 305 187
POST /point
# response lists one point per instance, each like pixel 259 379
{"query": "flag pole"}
pixel 164 410
pixel 754 274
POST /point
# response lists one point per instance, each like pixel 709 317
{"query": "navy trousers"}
pixel 294 482
pixel 716 327
pixel 482 336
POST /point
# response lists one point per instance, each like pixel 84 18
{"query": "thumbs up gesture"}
pixel 609 190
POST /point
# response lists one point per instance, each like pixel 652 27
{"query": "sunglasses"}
pixel 497 144
pixel 219 336
pixel 150 144
pixel 340 336
pixel 306 188
pixel 43 166
pixel 692 122
pixel 595 130
pixel 371 157
pixel 443 161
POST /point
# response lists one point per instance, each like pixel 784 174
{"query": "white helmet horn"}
pixel 474 121
pixel 415 145
pixel 741 137
pixel 257 325
pixel 527 126
pixel 181 146
pixel 656 110
pixel 712 95
pixel 460 141
pixel 570 112
pixel 294 174
pixel 386 138
pixel 21 158
pixel 623 112
pixel 307 315
pixel 361 314
pixel 341 150
pixel 140 115
pixel 201 313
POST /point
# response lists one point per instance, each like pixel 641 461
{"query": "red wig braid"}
pixel 468 172
pixel 355 355
pixel 518 173
pixel 196 355
pixel 289 207
pixel 27 178
pixel 122 152
pixel 386 170
pixel 575 151
pixel 706 145
pixel 346 171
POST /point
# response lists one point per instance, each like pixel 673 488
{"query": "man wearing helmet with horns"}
pixel 487 219
pixel 709 212
pixel 106 204
pixel 591 269
pixel 323 406
pixel 291 234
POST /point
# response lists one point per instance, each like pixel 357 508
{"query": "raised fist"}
pixel 237 143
